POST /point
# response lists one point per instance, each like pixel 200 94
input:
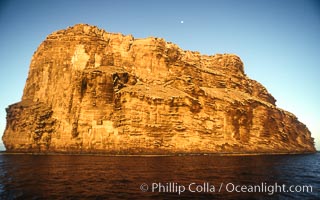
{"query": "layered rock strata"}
pixel 91 91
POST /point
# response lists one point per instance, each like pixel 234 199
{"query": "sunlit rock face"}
pixel 92 91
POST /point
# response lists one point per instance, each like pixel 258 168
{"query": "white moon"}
pixel 181 22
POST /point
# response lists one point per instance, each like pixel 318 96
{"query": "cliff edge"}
pixel 92 91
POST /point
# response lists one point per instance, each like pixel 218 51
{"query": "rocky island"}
pixel 91 91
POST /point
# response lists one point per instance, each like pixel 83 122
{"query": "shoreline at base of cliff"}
pixel 155 155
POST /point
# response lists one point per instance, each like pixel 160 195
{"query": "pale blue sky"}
pixel 278 40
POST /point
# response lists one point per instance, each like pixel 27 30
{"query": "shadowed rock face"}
pixel 92 91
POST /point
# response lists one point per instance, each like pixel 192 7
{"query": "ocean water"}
pixel 25 176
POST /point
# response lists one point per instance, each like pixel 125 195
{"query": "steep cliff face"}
pixel 93 91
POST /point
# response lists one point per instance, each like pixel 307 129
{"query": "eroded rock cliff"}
pixel 93 91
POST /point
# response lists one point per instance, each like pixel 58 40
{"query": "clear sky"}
pixel 278 40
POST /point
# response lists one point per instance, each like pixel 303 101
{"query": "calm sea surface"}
pixel 194 177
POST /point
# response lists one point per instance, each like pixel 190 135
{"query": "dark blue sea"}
pixel 25 176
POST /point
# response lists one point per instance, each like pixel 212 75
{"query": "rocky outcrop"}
pixel 92 91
